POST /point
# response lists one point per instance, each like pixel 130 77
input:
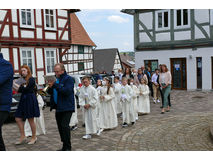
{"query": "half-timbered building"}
pixel 79 58
pixel 180 38
pixel 36 37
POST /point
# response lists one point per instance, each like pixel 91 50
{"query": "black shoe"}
pixel 125 125
pixel 162 112
pixel 83 125
pixel 133 123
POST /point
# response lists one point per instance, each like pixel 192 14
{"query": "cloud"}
pixel 117 19
pixel 126 44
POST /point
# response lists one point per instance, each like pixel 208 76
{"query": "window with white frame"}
pixel 50 61
pixel 182 18
pixel 162 20
pixel 50 19
pixel 26 18
pixel 211 16
pixel 27 58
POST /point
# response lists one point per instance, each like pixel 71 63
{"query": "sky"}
pixel 108 28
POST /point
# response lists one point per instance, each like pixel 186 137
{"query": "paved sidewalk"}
pixel 186 127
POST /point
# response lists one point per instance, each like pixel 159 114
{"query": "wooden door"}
pixel 179 75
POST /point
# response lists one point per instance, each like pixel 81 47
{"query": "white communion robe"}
pixel 89 95
pixel 126 98
pixel 144 103
pixel 98 104
pixel 117 87
pixel 135 100
pixel 74 118
pixel 108 117
pixel 39 122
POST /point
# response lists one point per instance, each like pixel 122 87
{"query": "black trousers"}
pixel 161 93
pixel 63 120
pixel 3 117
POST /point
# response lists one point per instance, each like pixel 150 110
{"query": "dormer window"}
pixel 162 20
pixel 181 18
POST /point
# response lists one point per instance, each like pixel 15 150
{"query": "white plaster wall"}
pixel 41 77
pixel 39 57
pixel 2 14
pixel 15 58
pixel 15 31
pixel 14 15
pixel 27 34
pixel 39 33
pixel 5 52
pixel 183 35
pixel 143 37
pixel 75 49
pixel 65 36
pixel 85 49
pixel 163 36
pixel 49 35
pixel 75 67
pixel 147 19
pixel 38 17
pixel 62 13
pixel 201 15
pixel 6 32
pixel 164 58
pixel 61 22
pixel 81 56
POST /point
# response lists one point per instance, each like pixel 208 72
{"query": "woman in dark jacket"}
pixel 128 73
pixel 28 105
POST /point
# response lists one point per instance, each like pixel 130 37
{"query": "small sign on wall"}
pixel 177 67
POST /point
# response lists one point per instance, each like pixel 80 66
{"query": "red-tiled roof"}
pixel 78 34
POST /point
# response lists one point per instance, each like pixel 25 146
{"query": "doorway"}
pixel 179 75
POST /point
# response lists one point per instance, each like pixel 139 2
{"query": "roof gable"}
pixel 79 35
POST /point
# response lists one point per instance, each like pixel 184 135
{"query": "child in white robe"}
pixel 88 101
pixel 98 88
pixel 117 87
pixel 144 103
pixel 74 118
pixel 107 117
pixel 126 97
pixel 134 98
pixel 39 122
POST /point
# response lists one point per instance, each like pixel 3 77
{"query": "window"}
pixel 50 61
pixel 26 18
pixel 162 20
pixel 153 64
pixel 80 66
pixel 50 19
pixel 81 49
pixel 182 18
pixel 27 58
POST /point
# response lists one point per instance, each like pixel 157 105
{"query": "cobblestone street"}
pixel 185 127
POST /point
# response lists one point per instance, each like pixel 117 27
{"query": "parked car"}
pixel 15 99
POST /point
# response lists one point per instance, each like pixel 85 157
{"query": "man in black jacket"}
pixel 62 99
pixel 6 82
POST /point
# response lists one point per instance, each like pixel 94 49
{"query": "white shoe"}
pixel 100 131
pixel 158 101
pixel 155 101
pixel 87 136
pixel 136 118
